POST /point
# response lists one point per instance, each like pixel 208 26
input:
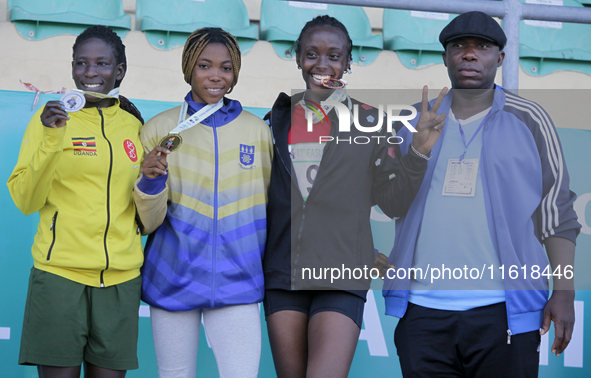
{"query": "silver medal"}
pixel 73 101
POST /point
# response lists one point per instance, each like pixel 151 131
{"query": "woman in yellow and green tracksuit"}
pixel 78 169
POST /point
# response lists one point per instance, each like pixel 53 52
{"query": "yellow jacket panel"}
pixel 80 178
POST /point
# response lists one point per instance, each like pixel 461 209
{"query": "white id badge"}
pixel 460 178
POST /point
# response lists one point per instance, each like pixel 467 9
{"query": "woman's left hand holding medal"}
pixel 155 163
pixel 54 115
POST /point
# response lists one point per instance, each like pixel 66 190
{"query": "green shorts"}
pixel 67 323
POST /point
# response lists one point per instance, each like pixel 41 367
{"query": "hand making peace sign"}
pixel 430 123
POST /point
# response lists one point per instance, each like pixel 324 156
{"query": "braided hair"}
pixel 111 38
pixel 197 42
pixel 322 22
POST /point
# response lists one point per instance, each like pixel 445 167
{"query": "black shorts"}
pixel 314 301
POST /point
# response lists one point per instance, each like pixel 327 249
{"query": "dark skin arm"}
pixel 395 196
pixel 560 307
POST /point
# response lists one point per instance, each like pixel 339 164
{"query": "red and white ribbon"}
pixel 32 88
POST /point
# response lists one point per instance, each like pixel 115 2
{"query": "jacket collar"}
pixel 229 112
pixel 106 111
pixel 497 105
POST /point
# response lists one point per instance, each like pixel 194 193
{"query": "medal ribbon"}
pixel 203 113
pixel 114 93
pixel 338 95
pixel 31 87
pixel 473 136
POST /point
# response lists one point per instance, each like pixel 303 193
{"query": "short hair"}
pixel 106 35
pixel 111 38
pixel 323 21
pixel 199 39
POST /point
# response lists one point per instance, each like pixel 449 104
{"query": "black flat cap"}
pixel 473 24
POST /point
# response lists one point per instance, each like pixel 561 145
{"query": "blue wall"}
pixel 376 354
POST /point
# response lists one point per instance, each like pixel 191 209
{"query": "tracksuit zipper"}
pixel 52 229
pixel 488 169
pixel 102 282
pixel 215 210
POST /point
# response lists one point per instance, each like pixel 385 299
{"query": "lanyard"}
pixel 473 136
pixel 197 117
pixel 338 95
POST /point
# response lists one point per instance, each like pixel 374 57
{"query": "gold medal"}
pixel 171 141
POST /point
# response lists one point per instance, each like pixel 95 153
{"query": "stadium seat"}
pixel 282 22
pixel 40 19
pixel 415 36
pixel 167 24
pixel 546 47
